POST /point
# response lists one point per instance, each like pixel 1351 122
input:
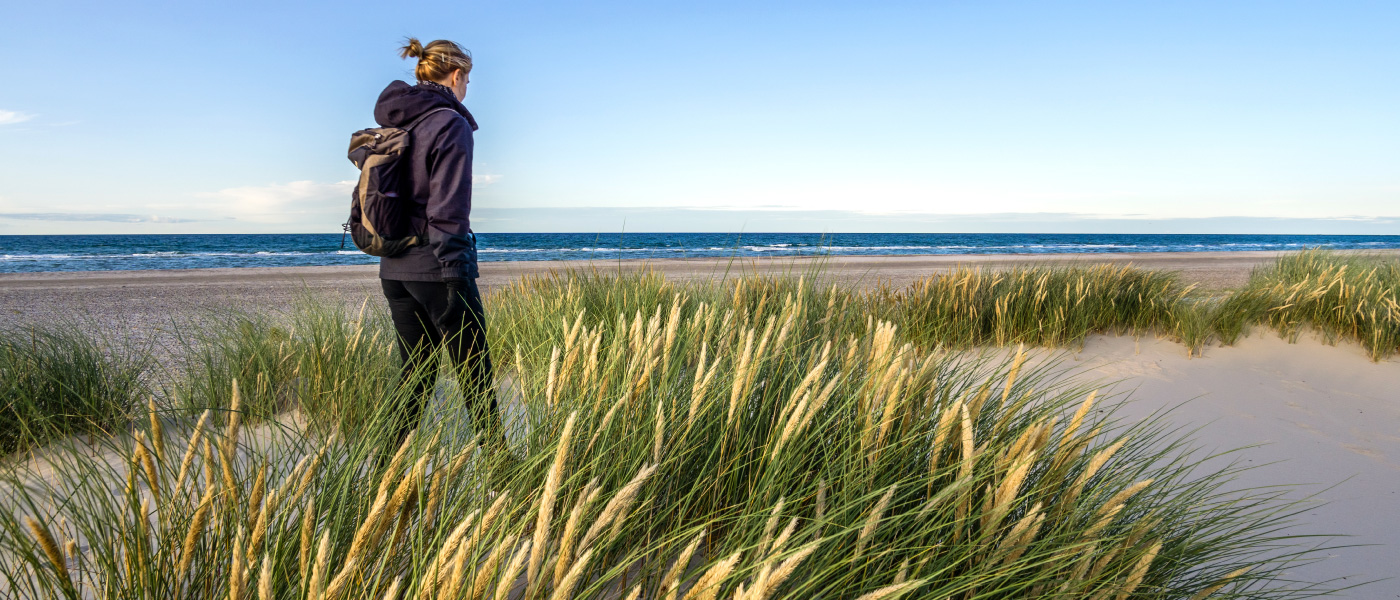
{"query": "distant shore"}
pixel 125 299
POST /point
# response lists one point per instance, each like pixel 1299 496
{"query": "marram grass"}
pixel 744 441
pixel 56 381
pixel 1342 296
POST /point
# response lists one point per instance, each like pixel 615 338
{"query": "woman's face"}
pixel 458 83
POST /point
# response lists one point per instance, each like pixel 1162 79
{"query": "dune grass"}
pixel 336 366
pixel 763 438
pixel 56 381
pixel 1343 296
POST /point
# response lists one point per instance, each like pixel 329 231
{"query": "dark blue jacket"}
pixel 441 177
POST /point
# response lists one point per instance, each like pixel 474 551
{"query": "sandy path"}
pixel 1326 415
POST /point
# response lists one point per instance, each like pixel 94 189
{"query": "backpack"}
pixel 380 213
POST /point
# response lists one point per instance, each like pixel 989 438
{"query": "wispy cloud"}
pixel 10 117
pixel 105 217
pixel 485 179
pixel 297 201
pixel 785 219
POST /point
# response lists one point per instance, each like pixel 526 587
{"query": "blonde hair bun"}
pixel 437 60
pixel 411 48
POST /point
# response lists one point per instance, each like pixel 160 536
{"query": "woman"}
pixel 431 288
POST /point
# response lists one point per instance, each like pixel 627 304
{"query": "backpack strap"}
pixel 413 123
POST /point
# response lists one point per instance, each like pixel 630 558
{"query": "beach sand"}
pixel 1320 415
pixel 143 297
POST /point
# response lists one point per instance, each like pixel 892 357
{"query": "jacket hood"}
pixel 400 103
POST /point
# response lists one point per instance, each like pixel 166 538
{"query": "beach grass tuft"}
pixel 56 380
pixel 1343 296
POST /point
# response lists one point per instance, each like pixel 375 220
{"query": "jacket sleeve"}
pixel 450 199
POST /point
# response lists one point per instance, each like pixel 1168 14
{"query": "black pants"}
pixel 425 318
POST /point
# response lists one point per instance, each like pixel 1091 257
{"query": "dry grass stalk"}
pixel 457 571
pixel 260 526
pixel 265 578
pixel 492 513
pixel 891 403
pixel 707 586
pixel 237 571
pixel 393 592
pixel 365 533
pixel 157 432
pixel 892 591
pixel 969 458
pixel 565 588
pixel 441 567
pixel 310 474
pixel 391 472
pixel 235 418
pixel 741 376
pixel 1123 495
pixel 1011 375
pixel 487 569
pixel 670 584
pixel 1095 463
pixel 231 486
pixel 806 412
pixel 570 533
pixel 547 497
pixel 46 542
pixel 255 497
pixel 786 569
pixel 873 520
pixel 148 465
pixel 434 497
pixel 191 449
pixel 507 578
pixel 770 526
pixel 1074 424
pixel 781 541
pixel 1224 581
pixel 1006 492
pixel 308 531
pixel 660 429
pixel 339 583
pixel 615 512
pixel 553 375
pixel 197 523
pixel 1014 545
pixel 945 427
pixel 319 568
pixel 1139 571
pixel 603 425
pixel 903 574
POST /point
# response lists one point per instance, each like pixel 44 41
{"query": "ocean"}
pixel 40 253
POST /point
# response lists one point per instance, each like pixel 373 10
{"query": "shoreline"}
pixel 129 301
pixel 491 271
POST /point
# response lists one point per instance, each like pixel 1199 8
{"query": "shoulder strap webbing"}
pixel 409 127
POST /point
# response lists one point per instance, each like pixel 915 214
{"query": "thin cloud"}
pixel 10 117
pixel 294 202
pixel 103 217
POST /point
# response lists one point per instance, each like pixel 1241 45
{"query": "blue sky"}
pixel 719 116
